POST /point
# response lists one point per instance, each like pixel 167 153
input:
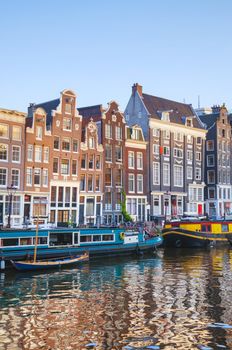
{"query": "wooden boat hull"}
pixel 180 238
pixel 49 264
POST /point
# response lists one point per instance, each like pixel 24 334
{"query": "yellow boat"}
pixel 193 234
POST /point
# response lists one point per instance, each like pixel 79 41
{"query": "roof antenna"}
pixel 199 101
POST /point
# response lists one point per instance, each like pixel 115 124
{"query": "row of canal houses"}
pixel 72 165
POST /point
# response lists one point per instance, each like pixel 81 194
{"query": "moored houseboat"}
pixel 52 243
pixel 197 233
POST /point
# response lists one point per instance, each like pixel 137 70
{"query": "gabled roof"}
pixel 91 111
pixel 177 111
pixel 209 119
pixel 47 106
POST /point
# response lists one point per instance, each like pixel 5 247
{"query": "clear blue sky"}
pixel 177 49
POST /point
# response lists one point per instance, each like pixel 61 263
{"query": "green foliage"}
pixel 126 216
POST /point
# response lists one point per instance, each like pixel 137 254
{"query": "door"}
pixel 200 209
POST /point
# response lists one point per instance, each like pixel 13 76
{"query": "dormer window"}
pixel 189 122
pixel 165 116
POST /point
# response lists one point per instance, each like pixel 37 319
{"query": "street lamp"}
pixel 11 192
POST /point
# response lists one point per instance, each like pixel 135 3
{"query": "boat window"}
pixel 97 238
pixel 60 238
pixel 10 242
pixel 25 241
pixel 224 227
pixel 76 239
pixel 41 240
pixel 107 237
pixel 206 228
pixel 87 238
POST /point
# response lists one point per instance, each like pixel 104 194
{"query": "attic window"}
pixel 165 116
pixel 189 122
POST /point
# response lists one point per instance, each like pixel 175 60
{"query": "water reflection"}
pixel 180 299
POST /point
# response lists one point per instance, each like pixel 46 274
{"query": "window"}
pixel 178 136
pixel 198 156
pixel 98 162
pixel 108 153
pixel 189 155
pixel 91 161
pixel 118 133
pixel 68 108
pixel 97 182
pixel 15 209
pixel 211 193
pixel 39 132
pixel 198 173
pixel 211 176
pixel 46 154
pixel 90 183
pixel 55 165
pixel 178 175
pixel 66 144
pixel 189 122
pixel 67 124
pixel 156 173
pixel 75 145
pixel 118 180
pixel 199 140
pixel 3 173
pixel 156 149
pixel 131 183
pixel 37 177
pixel 45 177
pixel 3 152
pixel 83 161
pixel 108 177
pixel 118 154
pixel 29 177
pixel 17 133
pixel 64 166
pixel 131 160
pixel 166 174
pixel 38 154
pixel 108 201
pixel 139 160
pixel 91 142
pixel 4 131
pixel 136 134
pixel 108 131
pixel 177 152
pixel 15 177
pixel 140 183
pixel 156 132
pixel 131 206
pixel 165 116
pixel 189 172
pixel 30 153
pixel 56 142
pixel 82 182
pixel 74 167
pixel 189 139
pixel 210 160
pixel 166 151
pixel 166 134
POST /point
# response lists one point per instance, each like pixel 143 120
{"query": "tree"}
pixel 126 215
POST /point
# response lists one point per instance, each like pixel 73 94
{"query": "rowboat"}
pixel 49 264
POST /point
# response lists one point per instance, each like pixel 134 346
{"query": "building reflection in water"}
pixel 169 301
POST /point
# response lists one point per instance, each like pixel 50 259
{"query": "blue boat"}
pixel 55 243
pixel 49 264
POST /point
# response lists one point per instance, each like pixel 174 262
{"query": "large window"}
pixel 67 124
pixel 166 174
pixel 15 208
pixel 90 183
pixel 131 183
pixel 132 206
pixel 118 133
pixel 91 161
pixel 178 175
pixel 108 131
pixel 178 136
pixel 38 154
pixel 17 133
pixel 118 154
pixel 210 160
pixel 65 166
pixel 156 149
pixel 3 152
pixel 37 177
pixel 66 144
pixel 16 154
pixel 156 173
pixel 55 165
pixel 140 183
pixel 3 173
pixel 30 153
pixel 46 154
pixel 83 161
pixel 211 176
pixel 118 181
pixel 29 177
pixel 139 160
pixel 108 177
pixel 15 177
pixel 4 131
pixel 56 142
pixel 131 160
pixel 108 153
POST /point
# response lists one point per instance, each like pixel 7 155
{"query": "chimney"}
pixel 138 88
pixel 215 109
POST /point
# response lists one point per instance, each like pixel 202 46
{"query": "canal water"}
pixel 177 299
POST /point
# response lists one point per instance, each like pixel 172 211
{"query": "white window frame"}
pixel 131 160
pixel 156 173
pixel 139 182
pixel 178 175
pixel 39 132
pixel 27 176
pixel 166 174
pixel 20 136
pixel 189 172
pixel 19 153
pixel 39 159
pixel 131 180
pixel 139 160
pixel 4 186
pixel 18 175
